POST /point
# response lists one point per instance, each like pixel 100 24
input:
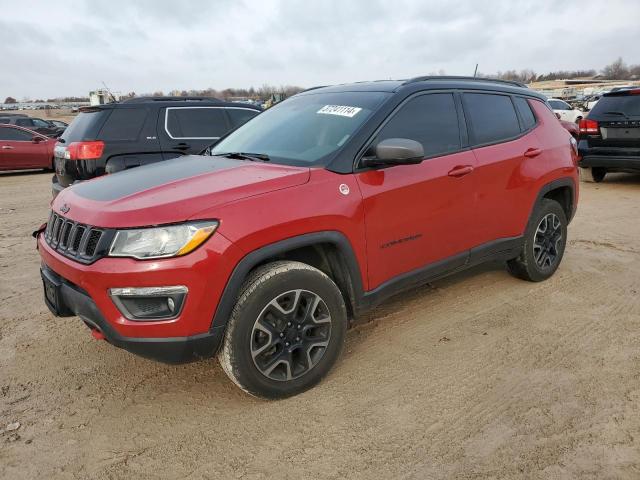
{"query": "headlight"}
pixel 160 242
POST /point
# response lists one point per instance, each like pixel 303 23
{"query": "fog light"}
pixel 149 303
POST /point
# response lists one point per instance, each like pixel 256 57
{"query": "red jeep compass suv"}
pixel 313 212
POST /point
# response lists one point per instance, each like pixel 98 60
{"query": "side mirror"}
pixel 37 139
pixel 396 151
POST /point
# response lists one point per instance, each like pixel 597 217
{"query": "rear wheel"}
pixel 592 174
pixel 286 330
pixel 544 243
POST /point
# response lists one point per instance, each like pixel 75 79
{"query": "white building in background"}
pixel 102 96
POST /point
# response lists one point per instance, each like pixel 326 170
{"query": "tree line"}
pixel 616 70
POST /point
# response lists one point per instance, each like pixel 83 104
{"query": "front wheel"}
pixel 285 332
pixel 544 243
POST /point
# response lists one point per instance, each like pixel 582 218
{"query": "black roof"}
pixel 430 83
pixel 170 102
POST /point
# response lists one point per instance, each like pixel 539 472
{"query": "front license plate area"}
pixel 53 296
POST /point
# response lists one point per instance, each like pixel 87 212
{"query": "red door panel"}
pixel 417 214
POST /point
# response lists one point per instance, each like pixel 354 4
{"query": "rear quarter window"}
pixel 493 118
pixel 526 114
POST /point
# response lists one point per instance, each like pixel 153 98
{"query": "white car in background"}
pixel 565 111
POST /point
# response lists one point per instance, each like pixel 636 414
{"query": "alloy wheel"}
pixel 546 250
pixel 290 335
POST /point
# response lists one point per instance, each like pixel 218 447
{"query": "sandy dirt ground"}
pixel 477 376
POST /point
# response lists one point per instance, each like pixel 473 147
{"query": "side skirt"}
pixel 497 250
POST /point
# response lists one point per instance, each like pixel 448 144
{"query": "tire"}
pixel 592 174
pixel 544 243
pixel 286 330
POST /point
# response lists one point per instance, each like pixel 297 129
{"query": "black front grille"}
pixel 77 241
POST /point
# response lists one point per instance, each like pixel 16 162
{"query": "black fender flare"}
pixel 558 183
pixel 232 288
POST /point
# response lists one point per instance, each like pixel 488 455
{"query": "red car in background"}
pixel 571 127
pixel 21 149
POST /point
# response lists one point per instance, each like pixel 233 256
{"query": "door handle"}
pixel 7 147
pixel 182 146
pixel 532 152
pixel 460 171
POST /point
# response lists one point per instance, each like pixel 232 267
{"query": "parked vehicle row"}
pixel 299 220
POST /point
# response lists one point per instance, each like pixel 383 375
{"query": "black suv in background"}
pixel 45 127
pixel 609 138
pixel 117 136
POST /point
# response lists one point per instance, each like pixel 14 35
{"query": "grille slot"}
pixel 75 245
pixel 64 236
pixel 77 241
pixel 92 243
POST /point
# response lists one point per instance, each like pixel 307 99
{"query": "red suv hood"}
pixel 172 191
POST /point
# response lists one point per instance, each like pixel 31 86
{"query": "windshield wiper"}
pixel 253 157
pixel 613 112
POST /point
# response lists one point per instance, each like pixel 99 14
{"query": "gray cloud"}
pixel 69 48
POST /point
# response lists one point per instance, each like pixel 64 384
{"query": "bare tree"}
pixel 617 70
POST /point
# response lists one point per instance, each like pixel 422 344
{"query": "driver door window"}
pixel 428 119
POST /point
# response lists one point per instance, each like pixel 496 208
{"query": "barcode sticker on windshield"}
pixel 340 110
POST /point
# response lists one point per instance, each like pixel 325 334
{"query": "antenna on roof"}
pixel 475 72
pixel 113 98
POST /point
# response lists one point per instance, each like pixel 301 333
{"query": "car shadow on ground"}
pixel 622 178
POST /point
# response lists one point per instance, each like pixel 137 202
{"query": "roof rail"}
pixel 477 79
pixel 170 99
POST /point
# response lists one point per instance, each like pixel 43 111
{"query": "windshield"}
pixel 304 130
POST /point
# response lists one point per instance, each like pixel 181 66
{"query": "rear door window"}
pixel 492 117
pixel 526 114
pixel 240 116
pixel 15 135
pixel 431 120
pixel 124 124
pixel 196 122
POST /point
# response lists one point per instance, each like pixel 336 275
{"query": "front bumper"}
pixel 83 290
pixel 72 300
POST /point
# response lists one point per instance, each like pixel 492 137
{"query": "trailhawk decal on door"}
pixel 341 110
pixel 401 240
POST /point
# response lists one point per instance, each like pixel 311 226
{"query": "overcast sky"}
pixel 59 48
